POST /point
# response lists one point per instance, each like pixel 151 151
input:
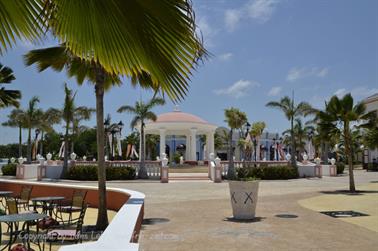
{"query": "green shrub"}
pixel 9 169
pixel 176 158
pixel 90 173
pixel 267 173
pixel 340 167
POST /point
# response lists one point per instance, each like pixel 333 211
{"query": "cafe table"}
pixel 46 202
pixel 13 221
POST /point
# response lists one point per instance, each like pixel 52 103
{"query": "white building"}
pixel 372 105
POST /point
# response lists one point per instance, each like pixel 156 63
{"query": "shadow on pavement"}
pixel 347 192
pixel 256 219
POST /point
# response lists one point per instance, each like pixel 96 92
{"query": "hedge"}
pixel 90 173
pixel 268 173
pixel 9 169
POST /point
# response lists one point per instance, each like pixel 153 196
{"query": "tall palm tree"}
pixel 235 120
pixel 162 57
pixel 142 112
pixel 46 121
pixel 337 119
pixel 79 114
pixel 67 114
pixel 8 97
pixel 16 119
pixel 32 115
pixel 292 111
pixel 257 129
pixel 301 132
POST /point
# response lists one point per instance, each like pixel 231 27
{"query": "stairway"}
pixel 188 177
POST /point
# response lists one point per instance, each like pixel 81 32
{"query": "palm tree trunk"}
pixel 142 174
pixel 352 187
pixel 257 148
pixel 19 141
pixel 102 216
pixel 293 146
pixel 65 160
pixel 41 149
pixel 231 169
pixel 28 152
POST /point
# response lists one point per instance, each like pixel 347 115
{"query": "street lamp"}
pixel 247 126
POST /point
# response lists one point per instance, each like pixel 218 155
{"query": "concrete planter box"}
pixel 244 198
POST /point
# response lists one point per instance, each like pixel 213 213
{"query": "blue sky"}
pixel 261 50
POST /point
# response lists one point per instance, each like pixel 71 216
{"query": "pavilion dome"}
pixel 180 117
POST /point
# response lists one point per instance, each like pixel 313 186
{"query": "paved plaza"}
pixel 196 215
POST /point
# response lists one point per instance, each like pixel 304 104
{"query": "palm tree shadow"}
pixel 256 219
pixel 347 192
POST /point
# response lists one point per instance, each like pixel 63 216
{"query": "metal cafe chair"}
pixel 70 231
pixel 75 205
pixel 24 197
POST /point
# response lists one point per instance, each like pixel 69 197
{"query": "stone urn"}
pixel 20 160
pixel 73 156
pixel 181 160
pixel 333 161
pixel 85 158
pixel 48 156
pixel 243 198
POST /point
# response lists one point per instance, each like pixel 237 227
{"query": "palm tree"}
pixel 162 57
pixel 235 120
pixel 301 132
pixel 292 111
pixel 32 115
pixel 142 112
pixel 337 118
pixel 16 119
pixel 67 114
pixel 46 122
pixel 8 97
pixel 257 129
pixel 79 114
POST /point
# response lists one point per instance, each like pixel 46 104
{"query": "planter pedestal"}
pixel 243 198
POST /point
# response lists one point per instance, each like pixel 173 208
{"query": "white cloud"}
pixel 232 18
pixel 303 72
pixel 225 56
pixel 340 92
pixel 238 89
pixel 206 31
pixel 358 92
pixel 261 10
pixel 275 91
pixel 258 10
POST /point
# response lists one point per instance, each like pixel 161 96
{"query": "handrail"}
pixel 122 232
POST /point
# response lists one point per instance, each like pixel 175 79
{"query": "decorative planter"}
pixel 244 198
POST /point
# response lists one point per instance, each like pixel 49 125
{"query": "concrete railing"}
pixel 240 164
pixel 153 167
pixel 123 231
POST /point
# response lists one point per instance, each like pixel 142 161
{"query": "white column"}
pixel 210 142
pixel 193 144
pixel 187 149
pixel 162 142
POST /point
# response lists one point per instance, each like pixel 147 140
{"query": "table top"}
pixel 22 217
pixel 2 193
pixel 48 198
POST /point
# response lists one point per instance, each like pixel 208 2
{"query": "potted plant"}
pixel 243 191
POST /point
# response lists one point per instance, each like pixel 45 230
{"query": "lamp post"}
pixel 114 129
